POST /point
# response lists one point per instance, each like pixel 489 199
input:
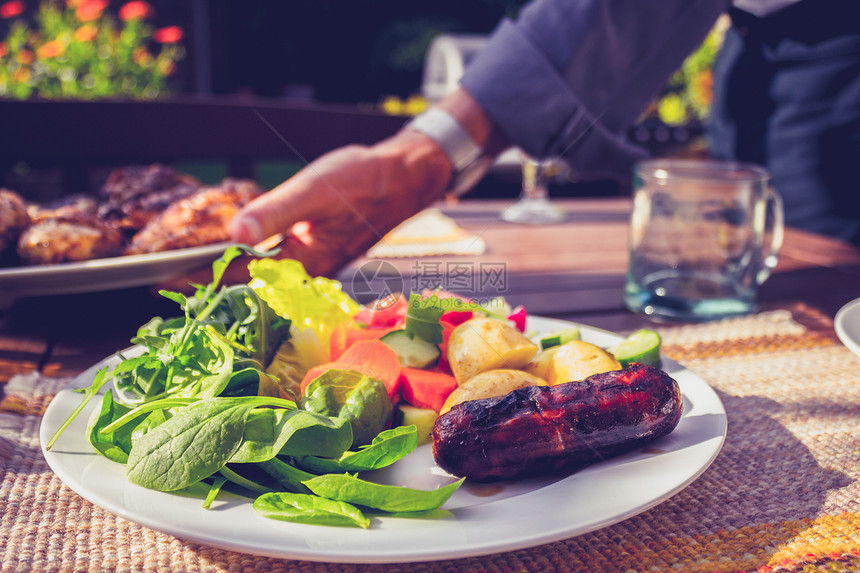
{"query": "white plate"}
pixel 847 325
pixel 482 518
pixel 106 274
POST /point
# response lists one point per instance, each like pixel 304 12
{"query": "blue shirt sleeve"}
pixel 567 78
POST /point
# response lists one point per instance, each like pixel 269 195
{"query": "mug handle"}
pixel 775 226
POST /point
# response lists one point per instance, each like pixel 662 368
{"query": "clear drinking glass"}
pixel 534 206
pixel 703 236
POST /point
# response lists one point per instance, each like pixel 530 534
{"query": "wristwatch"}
pixel 469 160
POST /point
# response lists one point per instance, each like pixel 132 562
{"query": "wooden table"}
pixel 573 270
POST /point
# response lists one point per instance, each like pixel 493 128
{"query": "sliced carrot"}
pixel 346 334
pixel 426 388
pixel 337 341
pixel 353 335
pixel 376 359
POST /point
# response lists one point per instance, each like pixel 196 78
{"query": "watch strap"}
pixel 452 137
pixel 466 156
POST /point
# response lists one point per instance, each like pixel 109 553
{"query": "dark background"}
pixel 329 50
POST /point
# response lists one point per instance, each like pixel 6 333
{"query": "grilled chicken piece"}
pixel 543 429
pixel 68 240
pixel 199 219
pixel 13 218
pixel 71 207
pixel 133 195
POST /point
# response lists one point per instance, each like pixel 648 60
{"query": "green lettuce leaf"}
pixel 317 303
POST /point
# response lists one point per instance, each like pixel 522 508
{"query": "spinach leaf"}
pixel 242 481
pixel 300 508
pixel 269 432
pixel 114 445
pixel 153 419
pixel 190 446
pixel 390 498
pixel 290 477
pixel 214 489
pixel 385 449
pixel 350 394
pixel 244 381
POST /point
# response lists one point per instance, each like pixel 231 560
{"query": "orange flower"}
pixel 166 67
pixel 168 35
pixel 73 3
pixel 89 10
pixel 26 57
pixel 4 49
pixel 50 49
pixel 135 10
pixel 22 75
pixel 141 57
pixel 11 9
pixel 86 33
pixel 702 88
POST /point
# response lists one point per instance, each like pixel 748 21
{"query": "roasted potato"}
pixel 574 360
pixel 490 384
pixel 482 344
pixel 542 363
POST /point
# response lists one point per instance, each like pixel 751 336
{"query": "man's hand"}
pixel 343 203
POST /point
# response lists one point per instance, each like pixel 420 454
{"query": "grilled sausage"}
pixel 543 429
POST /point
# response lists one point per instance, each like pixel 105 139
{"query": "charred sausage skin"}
pixel 544 429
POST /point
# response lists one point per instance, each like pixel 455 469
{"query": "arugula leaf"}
pixel 301 508
pixel 98 381
pixel 390 498
pixel 386 448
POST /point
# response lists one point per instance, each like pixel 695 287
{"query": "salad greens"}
pixel 385 449
pixel 424 312
pixel 390 498
pixel 302 508
pixel 189 414
pixel 317 303
pixel 353 396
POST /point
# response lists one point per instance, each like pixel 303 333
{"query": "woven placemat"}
pixel 783 495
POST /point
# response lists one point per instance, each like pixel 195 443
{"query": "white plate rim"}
pixel 105 273
pixel 392 540
pixel 845 318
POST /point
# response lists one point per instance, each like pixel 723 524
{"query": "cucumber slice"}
pixel 642 346
pixel 421 418
pixel 560 338
pixel 412 352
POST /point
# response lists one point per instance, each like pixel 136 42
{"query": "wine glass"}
pixel 534 206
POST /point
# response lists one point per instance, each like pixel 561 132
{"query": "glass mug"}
pixel 703 236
